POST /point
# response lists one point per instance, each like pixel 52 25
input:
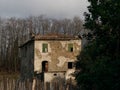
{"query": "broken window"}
pixel 70 47
pixel 45 48
pixel 45 66
pixel 70 65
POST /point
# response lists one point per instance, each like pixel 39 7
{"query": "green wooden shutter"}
pixel 45 47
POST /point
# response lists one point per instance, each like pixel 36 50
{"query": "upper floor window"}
pixel 70 47
pixel 44 47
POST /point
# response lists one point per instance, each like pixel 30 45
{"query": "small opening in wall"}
pixel 55 74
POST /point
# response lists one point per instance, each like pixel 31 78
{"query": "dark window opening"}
pixel 70 47
pixel 70 65
pixel 45 66
pixel 44 47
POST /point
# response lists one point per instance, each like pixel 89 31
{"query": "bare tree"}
pixel 15 31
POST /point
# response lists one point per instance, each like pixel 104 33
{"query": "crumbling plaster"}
pixel 57 55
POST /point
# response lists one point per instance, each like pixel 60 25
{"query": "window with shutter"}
pixel 45 48
pixel 70 47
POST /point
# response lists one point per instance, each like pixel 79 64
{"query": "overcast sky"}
pixel 50 8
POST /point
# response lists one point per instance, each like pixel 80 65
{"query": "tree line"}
pixel 15 31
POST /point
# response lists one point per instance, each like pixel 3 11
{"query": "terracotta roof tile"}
pixel 51 36
pixel 54 36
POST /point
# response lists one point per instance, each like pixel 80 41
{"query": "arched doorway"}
pixel 45 66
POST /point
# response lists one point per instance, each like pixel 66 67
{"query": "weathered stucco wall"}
pixel 57 55
pixel 53 76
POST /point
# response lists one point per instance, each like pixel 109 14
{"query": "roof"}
pixel 52 36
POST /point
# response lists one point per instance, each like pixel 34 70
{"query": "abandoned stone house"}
pixel 49 56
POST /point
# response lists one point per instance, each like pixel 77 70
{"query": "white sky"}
pixel 50 8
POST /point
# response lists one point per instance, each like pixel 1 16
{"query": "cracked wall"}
pixel 57 55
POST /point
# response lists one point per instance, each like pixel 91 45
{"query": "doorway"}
pixel 45 66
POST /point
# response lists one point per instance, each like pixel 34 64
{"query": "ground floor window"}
pixel 70 65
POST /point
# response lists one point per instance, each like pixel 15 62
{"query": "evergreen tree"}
pixel 99 61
